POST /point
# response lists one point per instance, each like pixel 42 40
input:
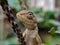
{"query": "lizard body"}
pixel 31 33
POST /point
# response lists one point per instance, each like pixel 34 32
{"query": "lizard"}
pixel 31 33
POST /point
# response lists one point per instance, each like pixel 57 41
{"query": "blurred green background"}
pixel 48 23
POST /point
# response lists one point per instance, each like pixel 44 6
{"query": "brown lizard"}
pixel 31 33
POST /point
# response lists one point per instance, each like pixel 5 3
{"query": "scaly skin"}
pixel 25 18
pixel 31 33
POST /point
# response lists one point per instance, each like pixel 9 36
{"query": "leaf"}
pixel 52 31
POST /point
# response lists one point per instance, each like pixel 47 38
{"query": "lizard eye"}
pixel 30 13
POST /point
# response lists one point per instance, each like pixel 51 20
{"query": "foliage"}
pixel 49 15
pixel 43 18
pixel 14 4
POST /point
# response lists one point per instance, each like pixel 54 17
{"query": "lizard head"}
pixel 27 18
